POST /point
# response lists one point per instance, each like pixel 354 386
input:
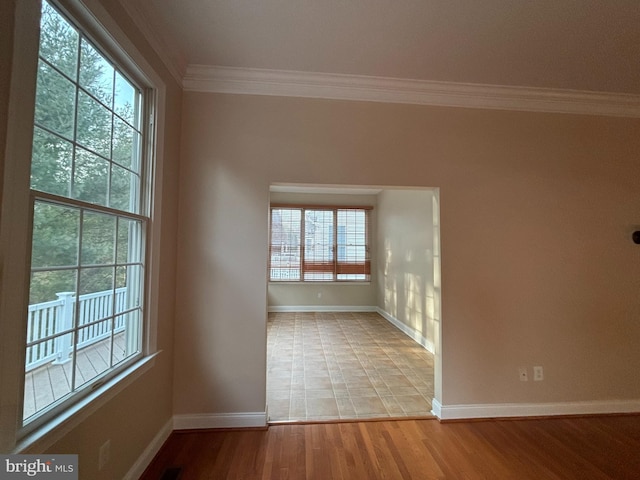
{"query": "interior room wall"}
pixel 405 283
pixel 536 212
pixel 134 417
pixel 319 294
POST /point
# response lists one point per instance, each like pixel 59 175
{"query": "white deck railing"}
pixel 48 318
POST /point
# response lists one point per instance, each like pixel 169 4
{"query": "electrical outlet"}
pixel 104 454
pixel 538 374
pixel 522 372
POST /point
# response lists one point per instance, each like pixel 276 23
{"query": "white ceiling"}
pixel 591 45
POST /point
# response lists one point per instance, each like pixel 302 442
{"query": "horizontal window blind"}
pixel 318 243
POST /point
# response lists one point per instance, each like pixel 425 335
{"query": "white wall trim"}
pixel 436 408
pixel 251 81
pixel 323 308
pixel 219 420
pixel 407 330
pixel 505 410
pixel 143 461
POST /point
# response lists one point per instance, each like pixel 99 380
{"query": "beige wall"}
pixel 320 294
pixel 405 260
pixel 132 418
pixel 536 214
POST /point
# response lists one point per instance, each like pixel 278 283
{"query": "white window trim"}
pixel 14 234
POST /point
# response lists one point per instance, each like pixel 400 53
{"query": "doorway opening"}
pixel 356 350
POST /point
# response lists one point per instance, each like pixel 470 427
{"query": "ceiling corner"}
pixel 151 28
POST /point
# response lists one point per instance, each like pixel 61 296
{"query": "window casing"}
pixel 319 244
pixel 90 216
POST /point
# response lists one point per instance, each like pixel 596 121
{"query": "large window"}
pixel 319 244
pixel 90 209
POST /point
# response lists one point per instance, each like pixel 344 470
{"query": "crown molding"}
pixel 247 81
pixel 166 51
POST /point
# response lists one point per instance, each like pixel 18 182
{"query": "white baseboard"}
pixel 414 334
pixel 138 468
pixel 220 420
pixel 323 308
pixel 506 410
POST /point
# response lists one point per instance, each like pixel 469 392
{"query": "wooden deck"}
pixel 51 382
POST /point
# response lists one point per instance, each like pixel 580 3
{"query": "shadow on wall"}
pixel 407 228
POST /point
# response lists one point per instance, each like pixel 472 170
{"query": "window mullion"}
pixel 303 242
pixel 335 244
pixel 76 318
pixel 75 117
pixel 52 198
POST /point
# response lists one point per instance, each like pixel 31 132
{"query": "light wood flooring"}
pixel 596 448
pixel 328 366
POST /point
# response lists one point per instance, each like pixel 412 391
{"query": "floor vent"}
pixel 171 473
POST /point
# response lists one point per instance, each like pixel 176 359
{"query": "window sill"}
pixel 49 433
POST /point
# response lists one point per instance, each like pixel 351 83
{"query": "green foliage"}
pixel 102 169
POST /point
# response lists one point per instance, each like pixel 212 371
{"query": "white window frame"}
pixel 15 233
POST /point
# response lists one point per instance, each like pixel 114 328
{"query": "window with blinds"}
pixel 319 244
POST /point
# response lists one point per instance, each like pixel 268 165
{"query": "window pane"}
pixel 55 236
pixel 98 239
pixel 129 238
pixel 318 276
pixel 96 74
pixel 93 354
pixel 353 262
pixel 58 41
pixel 351 236
pixel 96 279
pixel 126 145
pixel 130 323
pixel 51 163
pixel 285 260
pixel 49 285
pixel 50 383
pixel 134 282
pixel 124 190
pixel 94 125
pixel 121 283
pixel 126 101
pixel 55 101
pixel 127 338
pixel 119 344
pixel 91 178
pixel 318 245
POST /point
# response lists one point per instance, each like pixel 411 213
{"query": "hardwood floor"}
pixel 606 447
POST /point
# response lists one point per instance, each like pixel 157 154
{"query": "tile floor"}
pixel 329 366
